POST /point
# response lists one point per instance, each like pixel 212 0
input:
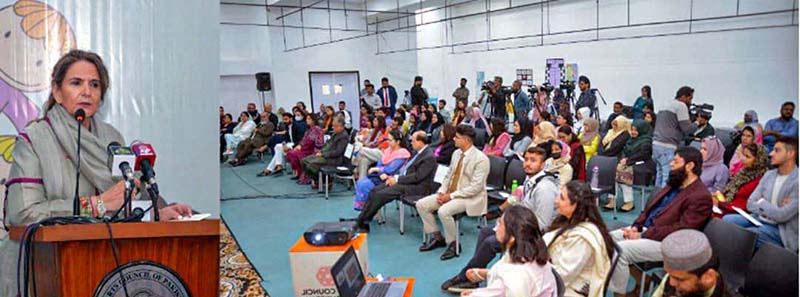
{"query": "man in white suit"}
pixel 463 189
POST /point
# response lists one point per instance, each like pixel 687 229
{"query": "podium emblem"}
pixel 142 279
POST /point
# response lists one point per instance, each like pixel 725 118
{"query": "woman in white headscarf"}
pixel 41 183
pixel 582 115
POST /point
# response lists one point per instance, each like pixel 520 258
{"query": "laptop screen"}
pixel 347 274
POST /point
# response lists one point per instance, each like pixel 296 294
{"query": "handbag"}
pixel 624 174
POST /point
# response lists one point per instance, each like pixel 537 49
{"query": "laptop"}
pixel 350 281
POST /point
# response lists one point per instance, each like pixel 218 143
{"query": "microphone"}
pixel 120 159
pixel 145 160
pixel 80 115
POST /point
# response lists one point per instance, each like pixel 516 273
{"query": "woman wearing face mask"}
pixel 715 174
pixel 578 242
pixel 744 182
pixel 559 162
pixel 523 271
pixel 636 162
pixel 521 139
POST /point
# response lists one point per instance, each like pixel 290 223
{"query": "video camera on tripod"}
pixel 700 109
pixel 534 90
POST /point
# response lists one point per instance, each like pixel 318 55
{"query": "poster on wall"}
pixel 525 76
pixel 479 79
pixel 345 88
pixel 554 71
pixel 570 73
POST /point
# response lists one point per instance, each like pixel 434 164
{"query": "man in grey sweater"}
pixel 672 125
pixel 774 201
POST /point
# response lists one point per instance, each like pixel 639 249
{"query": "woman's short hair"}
pixel 63 65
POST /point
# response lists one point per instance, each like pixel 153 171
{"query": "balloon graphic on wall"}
pixel 34 35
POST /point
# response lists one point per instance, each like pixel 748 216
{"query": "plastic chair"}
pixel 560 288
pixel 513 171
pixel 734 246
pixel 497 167
pixel 606 175
pixel 772 272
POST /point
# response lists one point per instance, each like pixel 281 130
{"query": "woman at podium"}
pixel 42 179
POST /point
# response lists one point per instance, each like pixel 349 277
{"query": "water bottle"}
pixel 594 182
pixel 514 186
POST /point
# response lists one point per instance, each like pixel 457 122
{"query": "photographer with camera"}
pixel 587 98
pixel 522 103
pixel 541 103
pixel 672 125
pixel 497 99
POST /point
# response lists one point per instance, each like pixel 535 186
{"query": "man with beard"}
pixel 691 265
pixel 785 125
pixel 682 204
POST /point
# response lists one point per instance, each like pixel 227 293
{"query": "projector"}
pixel 330 233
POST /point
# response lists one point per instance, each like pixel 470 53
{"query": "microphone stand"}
pixel 76 200
pixel 152 190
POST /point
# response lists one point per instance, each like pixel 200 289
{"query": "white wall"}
pixel 290 69
pixel 731 70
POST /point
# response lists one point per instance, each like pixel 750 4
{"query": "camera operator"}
pixel 704 128
pixel 672 125
pixel 522 103
pixel 587 98
pixel 497 98
pixel 542 103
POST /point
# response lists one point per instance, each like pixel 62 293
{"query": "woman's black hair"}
pixel 314 118
pixel 568 131
pixel 521 224
pixel 582 197
pixel 398 136
pixel 568 117
pixel 498 127
pixel 647 90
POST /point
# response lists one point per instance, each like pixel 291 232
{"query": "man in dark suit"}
pixel 683 204
pixel 388 94
pixel 419 97
pixel 332 154
pixel 414 178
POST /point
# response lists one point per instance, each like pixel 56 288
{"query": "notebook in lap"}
pixel 350 281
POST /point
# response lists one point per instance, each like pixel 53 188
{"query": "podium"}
pixel 73 260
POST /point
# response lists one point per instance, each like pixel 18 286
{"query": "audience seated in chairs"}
pixel 582 115
pixel 692 266
pixel 463 190
pixel 225 128
pixel 538 193
pixel 577 157
pixel 331 154
pixel 523 270
pixel 414 178
pixel 616 138
pixel 564 119
pixel 748 136
pixel 242 131
pixel 311 142
pixel 327 119
pixel 682 204
pixel 636 166
pixel 287 134
pixel 715 173
pixel 523 129
pixel 369 150
pixel 744 182
pixel 558 163
pixel 774 201
pixel 257 141
pixel 751 120
pixel 704 128
pixel 578 242
pixel 498 141
pixel 477 121
pixel 446 145
pixel 392 159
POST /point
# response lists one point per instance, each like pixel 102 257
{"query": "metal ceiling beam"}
pixel 345 8
pixel 300 10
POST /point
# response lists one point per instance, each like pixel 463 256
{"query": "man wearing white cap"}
pixel 692 267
